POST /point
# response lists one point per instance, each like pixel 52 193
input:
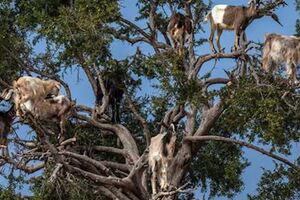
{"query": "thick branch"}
pixel 87 159
pixel 205 58
pixel 124 135
pixel 140 118
pixel 22 166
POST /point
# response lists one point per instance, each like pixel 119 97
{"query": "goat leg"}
pixel 237 40
pixel 153 178
pixel 219 33
pixel 211 38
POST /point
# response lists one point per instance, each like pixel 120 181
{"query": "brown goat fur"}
pixel 57 108
pixel 280 49
pixel 226 17
pixel 27 87
pixel 179 26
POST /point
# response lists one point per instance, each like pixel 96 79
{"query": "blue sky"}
pixel 255 32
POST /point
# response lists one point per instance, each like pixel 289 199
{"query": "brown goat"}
pixel 179 26
pixel 161 153
pixel 26 88
pixel 57 108
pixel 237 18
pixel 280 49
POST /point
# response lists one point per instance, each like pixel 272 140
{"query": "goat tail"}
pixel 207 17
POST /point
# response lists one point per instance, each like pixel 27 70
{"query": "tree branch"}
pixel 242 143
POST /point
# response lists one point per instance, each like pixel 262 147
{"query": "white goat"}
pixel 26 88
pixel 161 152
pixel 280 49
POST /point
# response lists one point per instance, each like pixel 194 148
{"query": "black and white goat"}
pixel 234 18
pixel 179 27
pixel 281 49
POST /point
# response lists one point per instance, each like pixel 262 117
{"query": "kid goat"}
pixel 161 153
pixel 26 88
pixel 280 49
pixel 179 26
pixel 233 18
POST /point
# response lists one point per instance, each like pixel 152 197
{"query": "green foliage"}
pixel 219 167
pixel 10 37
pixel 8 194
pixel 261 112
pixel 282 183
pixel 77 189
pixel 80 34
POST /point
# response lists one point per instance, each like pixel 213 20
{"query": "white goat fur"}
pixel 27 88
pixel 56 108
pixel 159 163
pixel 217 14
pixel 281 49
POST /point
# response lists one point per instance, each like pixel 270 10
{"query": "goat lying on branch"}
pixel 234 18
pixel 178 28
pixel 26 88
pixel 280 49
pixel 161 153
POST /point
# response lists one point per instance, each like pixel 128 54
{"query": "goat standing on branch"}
pixel 57 108
pixel 115 96
pixel 235 18
pixel 26 88
pixel 280 49
pixel 178 28
pixel 161 153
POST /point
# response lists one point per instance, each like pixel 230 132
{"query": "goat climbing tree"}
pixel 104 160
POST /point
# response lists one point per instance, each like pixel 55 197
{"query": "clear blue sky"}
pixel 255 32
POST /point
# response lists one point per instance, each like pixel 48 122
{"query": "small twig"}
pixel 181 189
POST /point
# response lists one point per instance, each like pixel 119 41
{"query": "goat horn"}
pixel 276 19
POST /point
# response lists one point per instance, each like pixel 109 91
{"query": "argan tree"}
pixel 216 115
